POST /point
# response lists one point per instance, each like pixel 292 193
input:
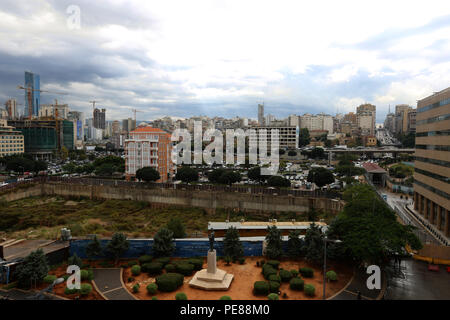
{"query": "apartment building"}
pixel 432 159
pixel 288 136
pixel 11 140
pixel 149 147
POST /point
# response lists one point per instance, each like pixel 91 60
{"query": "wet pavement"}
pixel 108 282
pixel 415 282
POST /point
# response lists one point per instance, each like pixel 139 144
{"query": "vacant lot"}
pixel 43 217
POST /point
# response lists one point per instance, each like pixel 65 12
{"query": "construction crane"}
pixel 134 111
pixel 29 92
pixel 93 104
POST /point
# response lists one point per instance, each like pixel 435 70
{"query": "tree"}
pixel 176 226
pixel 187 174
pixel 277 181
pixel 320 176
pixel 304 138
pixel 106 169
pixel 94 248
pixel 314 244
pixel 148 174
pixel 232 246
pixel 274 244
pixel 292 153
pixel 40 165
pixel 75 260
pixel 369 229
pixel 295 244
pixel 255 174
pixel 317 153
pixel 64 154
pixel 32 270
pixel 163 243
pixel 229 177
pixel 117 246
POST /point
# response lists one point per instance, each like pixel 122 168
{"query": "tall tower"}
pixel 32 81
pixel 261 114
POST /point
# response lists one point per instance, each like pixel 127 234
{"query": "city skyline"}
pixel 185 62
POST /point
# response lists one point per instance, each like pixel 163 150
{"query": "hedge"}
pixel 163 260
pixel 152 288
pixel 136 288
pixel 152 268
pixel 85 289
pixel 331 275
pixel 306 272
pixel 181 296
pixel 274 277
pixel 267 270
pixel 197 263
pixel 274 286
pixel 70 291
pixel 225 298
pixel 49 278
pixel 273 263
pixel 170 267
pixel 241 260
pixel 145 259
pixel 185 268
pixel 261 287
pixel 132 263
pixel 310 290
pixel 296 284
pixel 285 275
pixel 169 282
pixel 87 274
pixel 136 270
pixel 273 296
pixel 294 273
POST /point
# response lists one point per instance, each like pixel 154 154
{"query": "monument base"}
pixel 211 278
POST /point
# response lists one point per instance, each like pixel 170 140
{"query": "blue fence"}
pixel 184 248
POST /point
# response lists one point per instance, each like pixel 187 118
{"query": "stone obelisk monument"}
pixel 211 278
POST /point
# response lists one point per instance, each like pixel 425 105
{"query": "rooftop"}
pixel 262 225
pixel 373 168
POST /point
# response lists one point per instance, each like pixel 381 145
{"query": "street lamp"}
pixel 325 240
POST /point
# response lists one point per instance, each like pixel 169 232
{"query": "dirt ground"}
pixel 244 277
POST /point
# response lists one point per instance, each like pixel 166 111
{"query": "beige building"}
pixel 432 159
pixel 11 141
pixel 368 111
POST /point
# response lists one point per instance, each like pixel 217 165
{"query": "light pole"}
pixel 325 240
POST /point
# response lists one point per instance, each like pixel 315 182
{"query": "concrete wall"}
pixel 203 199
pixel 184 248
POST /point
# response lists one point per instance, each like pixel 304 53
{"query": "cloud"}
pixel 183 58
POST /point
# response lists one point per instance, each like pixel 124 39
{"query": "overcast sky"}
pixel 187 57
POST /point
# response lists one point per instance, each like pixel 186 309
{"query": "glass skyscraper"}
pixel 32 81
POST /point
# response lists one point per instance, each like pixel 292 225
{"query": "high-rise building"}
pixel 401 117
pixel 32 83
pixel 370 109
pixel 261 114
pixel 99 118
pixel 432 159
pixel 11 109
pixel 149 147
pixel 48 110
pixel 317 122
pixel 287 136
pixel 128 124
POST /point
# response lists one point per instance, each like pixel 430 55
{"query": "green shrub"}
pixel 274 277
pixel 274 286
pixel 132 263
pixel 85 289
pixel 145 259
pixel 241 260
pixel 268 270
pixel 49 278
pixel 310 290
pixel 136 270
pixel 181 296
pixel 331 275
pixel 152 268
pixel 169 282
pixel 273 296
pixel 306 272
pixel 294 273
pixel 197 263
pixel 296 284
pixel 170 267
pixel 136 288
pixel 285 275
pixel 163 260
pixel 274 263
pixel 152 288
pixel 86 275
pixel 185 268
pixel 261 287
pixel 154 298
pixel 225 298
pixel 262 263
pixel 70 291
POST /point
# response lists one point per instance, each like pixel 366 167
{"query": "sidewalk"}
pixel 358 284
